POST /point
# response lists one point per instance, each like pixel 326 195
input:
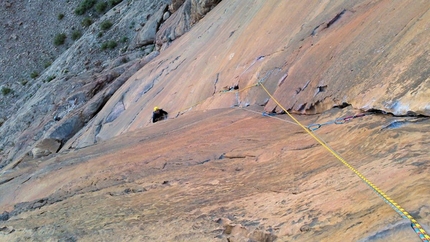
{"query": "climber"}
pixel 158 114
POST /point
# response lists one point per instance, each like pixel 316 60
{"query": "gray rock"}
pixel 66 128
pixel 166 15
pixel 147 34
pixel 175 26
pixel 182 19
pixel 4 216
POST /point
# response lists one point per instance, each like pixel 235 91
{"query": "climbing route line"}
pixel 341 120
pixel 226 91
pixel 402 212
pixel 269 115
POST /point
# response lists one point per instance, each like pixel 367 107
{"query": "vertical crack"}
pixel 216 81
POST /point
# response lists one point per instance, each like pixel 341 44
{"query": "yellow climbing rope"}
pixel 402 212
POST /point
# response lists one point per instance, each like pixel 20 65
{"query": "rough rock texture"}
pixel 218 170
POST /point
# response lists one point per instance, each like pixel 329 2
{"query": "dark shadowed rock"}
pixel 4 216
pixel 66 128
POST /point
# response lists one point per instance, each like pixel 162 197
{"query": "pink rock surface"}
pixel 221 171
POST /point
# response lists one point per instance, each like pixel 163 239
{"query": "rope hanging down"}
pixel 402 212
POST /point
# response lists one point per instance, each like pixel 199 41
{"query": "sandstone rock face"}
pixel 227 175
pixel 217 169
pixel 305 58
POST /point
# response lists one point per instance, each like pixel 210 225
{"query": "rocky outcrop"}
pixel 199 8
pixel 83 78
pixel 183 18
pixel 147 34
pixel 178 24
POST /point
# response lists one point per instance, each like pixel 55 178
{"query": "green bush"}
pixel 124 39
pixel 49 79
pixel 101 7
pixel 84 6
pixel 76 34
pixel 34 74
pixel 114 2
pixel 100 34
pixel 87 22
pixel 105 25
pixel 24 82
pixel 5 91
pixel 47 64
pixel 60 16
pixel 111 44
pixel 60 39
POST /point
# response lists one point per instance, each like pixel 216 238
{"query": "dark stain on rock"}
pixel 4 216
pixel 335 19
pixel 202 162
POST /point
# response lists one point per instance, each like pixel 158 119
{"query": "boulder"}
pixel 45 148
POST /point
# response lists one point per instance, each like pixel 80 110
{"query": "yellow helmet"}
pixel 155 108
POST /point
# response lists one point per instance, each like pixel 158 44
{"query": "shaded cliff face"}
pixel 217 170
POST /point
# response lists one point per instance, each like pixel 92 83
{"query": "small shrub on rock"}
pixel 109 45
pixel 86 22
pixel 76 34
pixel 105 25
pixel 47 64
pixel 114 2
pixel 34 74
pixel 49 79
pixel 60 39
pixel 5 91
pixel 84 6
pixel 101 7
pixel 60 16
